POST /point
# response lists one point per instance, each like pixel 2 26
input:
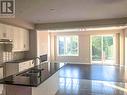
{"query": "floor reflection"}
pixel 92 80
pixel 69 86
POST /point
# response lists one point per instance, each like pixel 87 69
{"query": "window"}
pixel 67 46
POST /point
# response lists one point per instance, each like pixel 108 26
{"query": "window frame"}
pixel 57 43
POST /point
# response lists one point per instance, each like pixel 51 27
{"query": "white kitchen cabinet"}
pixel 1 76
pixel 48 87
pixel 19 36
pixel 25 65
pixel 1 72
pixel 6 32
pixel 2 30
pixel 13 68
pixel 26 40
pixel 21 40
pixel 9 32
pixel 16 40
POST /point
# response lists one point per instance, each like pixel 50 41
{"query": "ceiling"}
pixel 51 11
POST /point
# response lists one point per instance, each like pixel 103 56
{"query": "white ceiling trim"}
pixel 119 23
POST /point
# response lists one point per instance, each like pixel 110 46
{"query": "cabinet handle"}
pixel 4 35
pixel 24 45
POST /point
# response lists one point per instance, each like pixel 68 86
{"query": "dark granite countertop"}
pixel 20 60
pixel 44 71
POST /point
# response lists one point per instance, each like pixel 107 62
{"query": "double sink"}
pixel 33 72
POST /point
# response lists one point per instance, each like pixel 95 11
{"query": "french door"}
pixel 103 49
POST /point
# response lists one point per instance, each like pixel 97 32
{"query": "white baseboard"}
pixel 71 62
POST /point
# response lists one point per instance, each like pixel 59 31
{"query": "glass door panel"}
pixel 103 49
pixel 96 48
pixel 108 49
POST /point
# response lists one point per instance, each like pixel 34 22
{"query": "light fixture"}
pixel 52 9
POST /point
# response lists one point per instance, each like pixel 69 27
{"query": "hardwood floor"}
pixel 87 79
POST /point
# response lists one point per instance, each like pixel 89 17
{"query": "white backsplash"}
pixel 18 55
pixel 9 56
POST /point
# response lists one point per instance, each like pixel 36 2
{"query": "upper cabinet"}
pixel 6 32
pixel 26 40
pixel 20 40
pixel 19 37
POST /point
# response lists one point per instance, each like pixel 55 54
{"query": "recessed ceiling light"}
pixel 52 9
pixel 38 20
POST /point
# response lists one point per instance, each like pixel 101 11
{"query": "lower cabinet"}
pixel 1 76
pixel 25 65
pixel 48 87
pixel 12 68
pixel 1 72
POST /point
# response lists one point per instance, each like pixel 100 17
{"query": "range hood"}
pixel 5 41
pixel 7 45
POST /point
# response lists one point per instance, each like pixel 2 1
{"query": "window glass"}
pixel 67 46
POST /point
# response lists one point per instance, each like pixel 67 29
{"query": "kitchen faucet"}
pixel 35 61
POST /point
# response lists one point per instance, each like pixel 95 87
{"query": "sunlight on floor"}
pixel 115 86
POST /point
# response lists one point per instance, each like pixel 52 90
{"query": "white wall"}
pixel 125 47
pixel 42 42
pixel 84 45
pixel 33 44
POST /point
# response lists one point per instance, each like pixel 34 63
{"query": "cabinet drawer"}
pixel 21 69
pixel 24 65
pixel 31 64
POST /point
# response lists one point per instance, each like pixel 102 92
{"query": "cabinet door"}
pixel 21 40
pixel 11 68
pixel 31 64
pixel 1 72
pixel 6 32
pixel 21 32
pixel 24 66
pixel 16 40
pixel 2 31
pixel 26 40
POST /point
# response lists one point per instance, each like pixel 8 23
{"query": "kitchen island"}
pixel 39 80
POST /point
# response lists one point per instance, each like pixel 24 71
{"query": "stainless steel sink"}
pixel 32 72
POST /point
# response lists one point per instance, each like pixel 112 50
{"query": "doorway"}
pixel 103 49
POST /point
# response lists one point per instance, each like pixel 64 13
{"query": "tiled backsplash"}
pixel 8 56
pixel 18 55
pixel 1 54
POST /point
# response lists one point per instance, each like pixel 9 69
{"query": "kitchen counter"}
pixel 33 77
pixel 20 60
